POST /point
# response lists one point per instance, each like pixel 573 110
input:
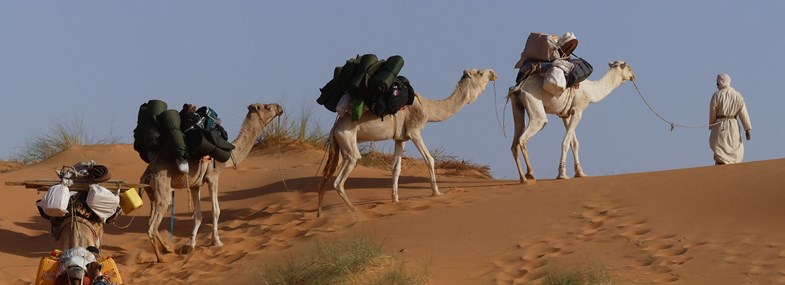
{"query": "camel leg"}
pixel 152 232
pixel 426 155
pixel 520 123
pixel 537 120
pixel 212 184
pixel 570 123
pixel 195 193
pixel 575 145
pixel 396 168
pixel 329 169
pixel 351 154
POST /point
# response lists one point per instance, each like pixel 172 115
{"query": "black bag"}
pixel 581 70
pixel 399 94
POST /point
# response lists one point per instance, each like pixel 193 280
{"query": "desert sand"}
pixel 705 225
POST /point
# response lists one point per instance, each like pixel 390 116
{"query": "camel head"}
pixel 475 78
pixel 626 70
pixel 265 112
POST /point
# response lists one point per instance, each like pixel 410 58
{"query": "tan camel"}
pixel 529 97
pixel 406 125
pixel 163 177
pixel 80 232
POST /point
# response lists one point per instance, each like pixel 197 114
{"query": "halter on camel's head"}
pixel 627 73
pixel 472 73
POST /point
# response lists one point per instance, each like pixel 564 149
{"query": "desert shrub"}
pixel 582 275
pixel 61 136
pixel 302 131
pixel 345 261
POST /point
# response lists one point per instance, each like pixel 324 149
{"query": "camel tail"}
pixel 332 159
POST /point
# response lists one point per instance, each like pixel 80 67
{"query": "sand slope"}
pixel 708 225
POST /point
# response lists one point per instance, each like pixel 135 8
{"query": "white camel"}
pixel 406 125
pixel 529 97
pixel 163 177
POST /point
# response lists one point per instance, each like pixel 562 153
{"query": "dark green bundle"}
pixel 146 133
pixel 365 78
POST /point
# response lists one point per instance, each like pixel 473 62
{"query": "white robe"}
pixel 725 140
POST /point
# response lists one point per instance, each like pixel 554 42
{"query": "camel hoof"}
pixel 218 243
pixel 562 176
pixel 437 194
pixel 187 249
pixel 530 176
pixel 581 175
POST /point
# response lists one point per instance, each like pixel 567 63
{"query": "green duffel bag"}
pixel 146 134
pixel 214 136
pixel 359 79
pixel 383 78
pixel 169 122
pixel 198 144
pixel 221 155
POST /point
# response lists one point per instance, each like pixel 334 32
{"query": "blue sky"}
pixel 99 60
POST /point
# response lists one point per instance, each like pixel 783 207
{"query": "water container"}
pixel 130 200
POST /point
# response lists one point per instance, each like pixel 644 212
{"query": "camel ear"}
pixel 254 107
pixel 623 65
pixel 612 64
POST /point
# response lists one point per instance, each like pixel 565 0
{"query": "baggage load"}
pixel 55 201
pixel 103 202
pixel 146 134
pixel 555 81
pixel 359 80
pixel 369 87
pixel 48 267
pixel 383 78
pixel 540 46
pixel 399 95
pixel 169 121
pixel 580 71
pixel 130 200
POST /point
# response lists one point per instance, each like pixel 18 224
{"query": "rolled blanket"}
pixel 146 134
pixel 383 78
pixel 169 122
pixel 360 77
pixel 98 173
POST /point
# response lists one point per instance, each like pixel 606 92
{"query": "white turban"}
pixel 723 81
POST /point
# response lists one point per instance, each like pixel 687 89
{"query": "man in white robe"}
pixel 725 108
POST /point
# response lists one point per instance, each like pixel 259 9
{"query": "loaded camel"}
pixel 529 98
pixel 164 176
pixel 406 125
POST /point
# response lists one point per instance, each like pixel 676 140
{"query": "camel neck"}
pixel 250 130
pixel 440 110
pixel 597 91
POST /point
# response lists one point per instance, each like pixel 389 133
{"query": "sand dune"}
pixel 708 225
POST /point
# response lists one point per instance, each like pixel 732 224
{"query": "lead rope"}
pixel 278 154
pixel 496 109
pixel 672 124
pixel 114 222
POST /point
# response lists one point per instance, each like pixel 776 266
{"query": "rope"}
pixel 496 109
pixel 171 221
pixel 672 124
pixel 114 223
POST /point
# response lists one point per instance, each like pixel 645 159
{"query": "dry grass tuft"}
pixel 302 132
pixel 357 260
pixel 61 136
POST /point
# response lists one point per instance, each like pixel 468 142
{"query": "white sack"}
pixel 343 104
pixel 102 201
pixel 55 201
pixel 554 81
